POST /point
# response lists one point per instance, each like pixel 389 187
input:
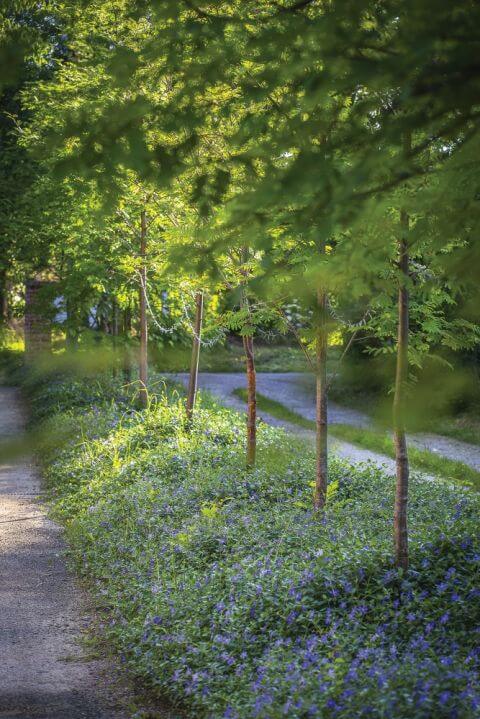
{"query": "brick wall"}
pixel 38 328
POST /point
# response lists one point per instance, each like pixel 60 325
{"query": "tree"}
pixel 196 342
pixel 281 129
pixel 401 377
pixel 143 362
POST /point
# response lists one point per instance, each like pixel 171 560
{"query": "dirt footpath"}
pixel 44 672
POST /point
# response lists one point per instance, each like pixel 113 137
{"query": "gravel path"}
pixel 44 673
pixel 296 391
pixel 276 386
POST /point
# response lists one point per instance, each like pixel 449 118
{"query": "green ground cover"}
pixel 421 459
pixel 230 357
pixel 463 425
pixel 375 440
pixel 221 588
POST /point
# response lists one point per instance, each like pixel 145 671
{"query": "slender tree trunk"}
pixel 399 401
pixel 4 292
pixel 143 365
pixel 127 319
pixel 251 373
pixel 197 338
pixel 251 401
pixel 321 476
pixel 114 335
pixel 401 376
pixel 126 359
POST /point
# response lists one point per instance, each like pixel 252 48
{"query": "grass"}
pixel 276 409
pixel 465 427
pixel 230 357
pixel 11 355
pixel 461 425
pixel 374 440
pixel 419 458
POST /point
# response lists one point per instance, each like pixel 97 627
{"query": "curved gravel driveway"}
pixel 283 388
pixel 297 392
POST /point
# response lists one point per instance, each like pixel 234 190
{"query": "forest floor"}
pixel 295 390
pixel 46 671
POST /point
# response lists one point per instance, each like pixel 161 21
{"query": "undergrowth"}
pixel 224 591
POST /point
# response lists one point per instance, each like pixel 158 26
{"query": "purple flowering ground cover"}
pixel 230 597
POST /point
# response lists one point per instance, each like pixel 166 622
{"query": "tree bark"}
pixel 4 292
pixel 127 319
pixel 197 338
pixel 399 402
pixel 251 379
pixel 251 401
pixel 401 376
pixel 143 364
pixel 321 475
pixel 114 335
pixel 126 359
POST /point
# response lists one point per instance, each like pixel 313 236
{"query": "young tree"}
pixel 401 378
pixel 143 358
pixel 196 343
pixel 321 343
pixel 247 339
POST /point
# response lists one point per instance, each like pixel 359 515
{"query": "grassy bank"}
pixel 222 590
pixel 230 357
pixel 376 441
pixel 420 459
pixel 276 409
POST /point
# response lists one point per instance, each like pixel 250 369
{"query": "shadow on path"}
pixel 44 672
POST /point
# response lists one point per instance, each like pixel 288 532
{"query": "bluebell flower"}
pixel 332 704
pixel 292 616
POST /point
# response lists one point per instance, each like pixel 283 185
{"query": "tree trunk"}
pixel 321 476
pixel 143 365
pixel 399 401
pixel 251 379
pixel 114 335
pixel 126 359
pixel 4 292
pixel 401 376
pixel 127 319
pixel 197 338
pixel 251 401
